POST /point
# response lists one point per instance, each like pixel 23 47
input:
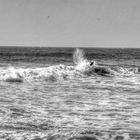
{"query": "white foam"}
pixel 12 74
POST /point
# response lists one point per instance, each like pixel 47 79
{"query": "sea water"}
pixel 69 94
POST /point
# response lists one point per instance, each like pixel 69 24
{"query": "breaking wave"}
pixel 82 68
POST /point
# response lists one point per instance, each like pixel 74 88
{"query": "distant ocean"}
pixel 69 93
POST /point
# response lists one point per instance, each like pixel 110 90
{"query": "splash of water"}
pixel 79 56
pixel 82 64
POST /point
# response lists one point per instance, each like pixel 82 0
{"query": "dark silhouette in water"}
pixel 100 70
pixel 103 71
pixel 91 63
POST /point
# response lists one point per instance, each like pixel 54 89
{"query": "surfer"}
pixel 92 63
pixel 100 70
pixel 88 67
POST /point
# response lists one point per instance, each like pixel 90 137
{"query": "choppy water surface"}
pixel 56 100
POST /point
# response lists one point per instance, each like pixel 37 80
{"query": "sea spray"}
pixel 82 64
pixel 78 56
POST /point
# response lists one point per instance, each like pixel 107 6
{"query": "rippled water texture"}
pixel 49 98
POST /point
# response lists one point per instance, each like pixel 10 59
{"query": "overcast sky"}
pixel 85 23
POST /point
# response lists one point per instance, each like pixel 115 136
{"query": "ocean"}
pixel 69 93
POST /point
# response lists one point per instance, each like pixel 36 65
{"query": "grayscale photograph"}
pixel 69 69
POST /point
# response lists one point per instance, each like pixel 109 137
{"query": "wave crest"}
pixel 82 68
pixel 62 72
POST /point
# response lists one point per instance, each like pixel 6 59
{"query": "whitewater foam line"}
pixel 47 73
pixel 62 72
pixel 52 73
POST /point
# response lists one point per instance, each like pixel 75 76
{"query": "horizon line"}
pixel 70 47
